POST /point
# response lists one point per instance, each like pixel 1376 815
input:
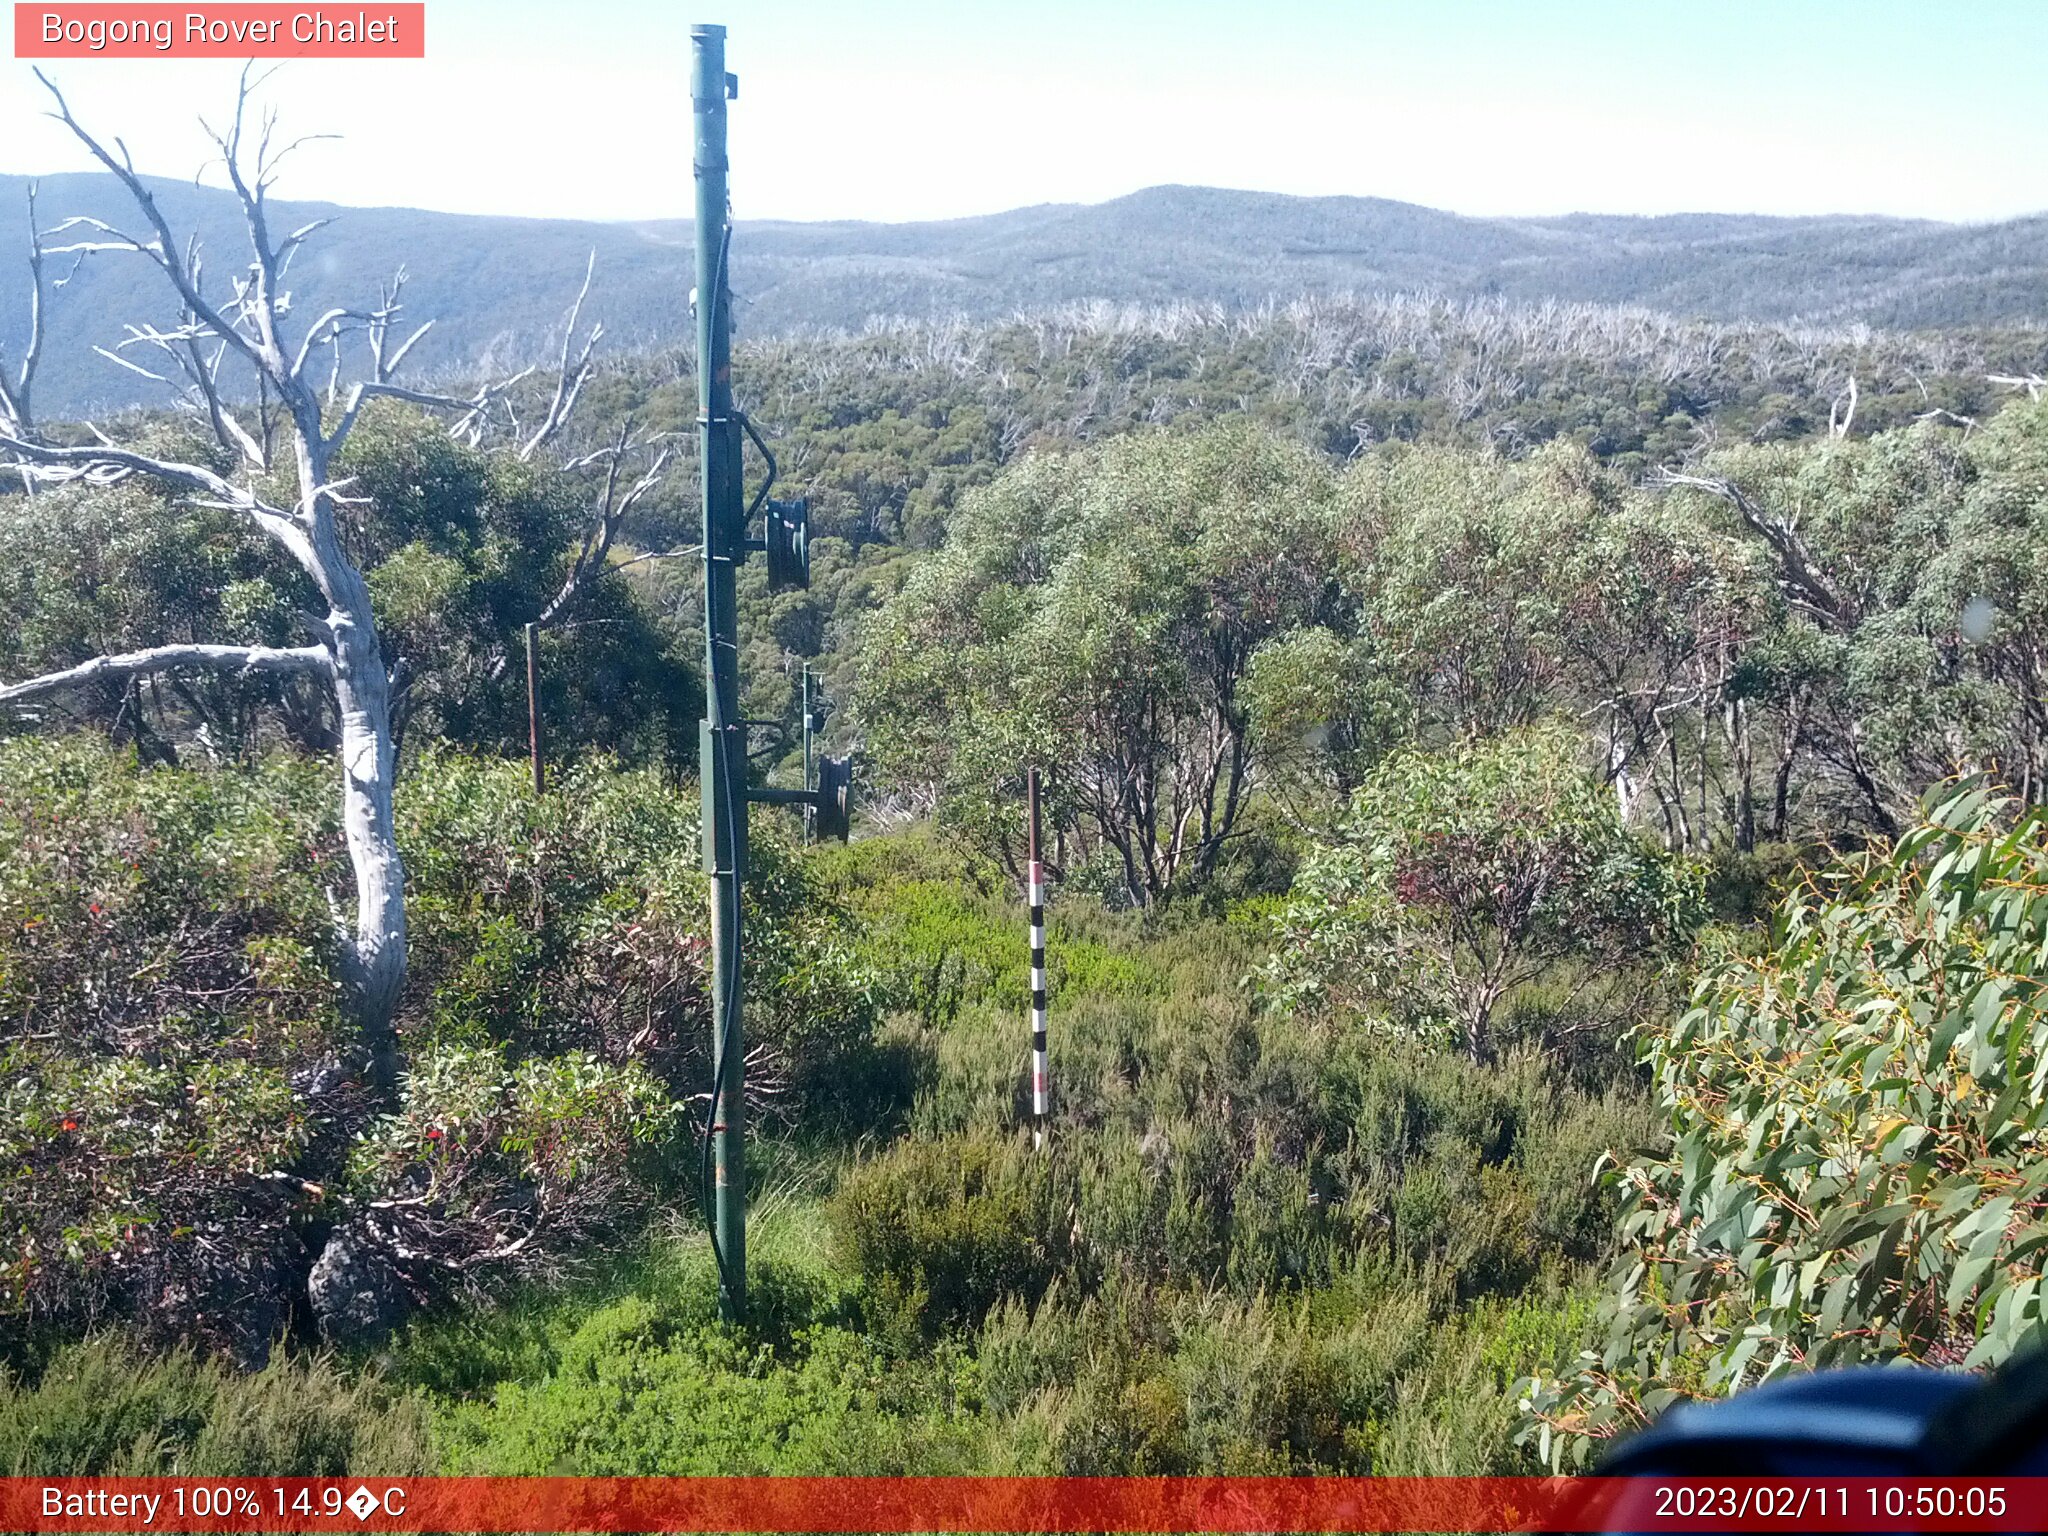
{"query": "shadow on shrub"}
pixel 939 1232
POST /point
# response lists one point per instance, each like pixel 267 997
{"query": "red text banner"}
pixel 1022 1504
pixel 236 31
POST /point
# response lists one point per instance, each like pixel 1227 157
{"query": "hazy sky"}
pixel 900 109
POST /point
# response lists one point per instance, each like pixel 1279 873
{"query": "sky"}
pixel 923 109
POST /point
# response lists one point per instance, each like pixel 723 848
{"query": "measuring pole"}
pixel 808 817
pixel 721 756
pixel 533 747
pixel 1036 895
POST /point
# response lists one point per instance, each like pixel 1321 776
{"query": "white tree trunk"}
pixel 375 952
pixel 362 695
pixel 247 326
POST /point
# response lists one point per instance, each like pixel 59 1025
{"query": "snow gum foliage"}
pixel 1459 876
pixel 1855 1172
pixel 1098 614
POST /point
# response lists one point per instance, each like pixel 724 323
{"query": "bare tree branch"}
pixel 162 250
pixel 610 514
pixel 16 414
pixel 1800 576
pixel 569 381
pixel 475 410
pixel 239 660
pixel 388 312
pixel 1939 413
pixel 661 554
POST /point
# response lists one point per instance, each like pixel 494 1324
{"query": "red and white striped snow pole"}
pixel 1036 896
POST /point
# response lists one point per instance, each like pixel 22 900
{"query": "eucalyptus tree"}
pixel 1909 628
pixel 1852 1172
pixel 1492 593
pixel 1457 876
pixel 1096 615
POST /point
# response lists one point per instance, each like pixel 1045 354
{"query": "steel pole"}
pixel 721 758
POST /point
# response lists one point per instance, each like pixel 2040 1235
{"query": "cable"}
pixel 706 1182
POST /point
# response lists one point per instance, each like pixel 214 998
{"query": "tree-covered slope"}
pixel 501 284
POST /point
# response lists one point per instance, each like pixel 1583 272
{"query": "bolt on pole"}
pixel 722 745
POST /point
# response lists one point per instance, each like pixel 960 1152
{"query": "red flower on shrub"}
pixel 433 1133
pixel 70 1125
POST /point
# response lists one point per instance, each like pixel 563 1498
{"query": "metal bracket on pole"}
pixel 829 802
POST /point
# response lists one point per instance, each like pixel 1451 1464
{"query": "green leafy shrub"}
pixel 638 1391
pixel 1853 1173
pixel 164 983
pixel 181 1108
pixel 1141 1382
pixel 939 1232
pixel 99 1409
pixel 1746 888
pixel 1213 1145
pixel 1356 1379
pixel 577 921
pixel 936 949
pixel 563 1141
pixel 1477 1180
pixel 1460 876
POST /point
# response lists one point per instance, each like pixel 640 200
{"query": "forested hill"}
pixel 498 286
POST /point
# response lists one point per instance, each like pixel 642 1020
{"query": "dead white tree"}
pixel 614 500
pixel 1842 411
pixel 16 414
pixel 619 491
pixel 268 394
pixel 2032 383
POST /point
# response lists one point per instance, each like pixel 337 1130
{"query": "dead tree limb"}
pixel 1804 584
pixel 611 509
pixel 17 416
pixel 237 660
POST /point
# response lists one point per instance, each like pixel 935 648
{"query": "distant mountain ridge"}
pixel 497 287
